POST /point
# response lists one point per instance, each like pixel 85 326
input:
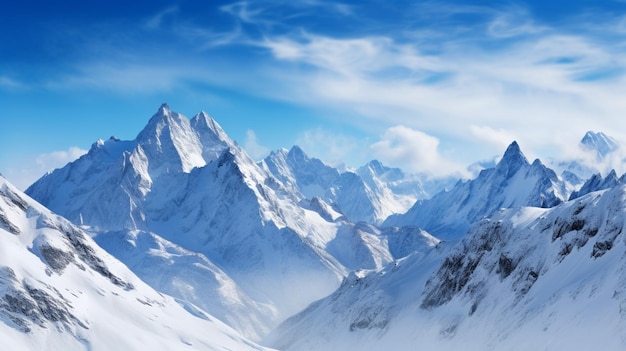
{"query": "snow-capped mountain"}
pixel 170 144
pixel 253 244
pixel 513 182
pixel 61 291
pixel 183 197
pixel 597 153
pixel 369 194
pixel 186 181
pixel 599 143
pixel 596 182
pixel 525 279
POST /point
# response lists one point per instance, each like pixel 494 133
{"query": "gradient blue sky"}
pixel 424 85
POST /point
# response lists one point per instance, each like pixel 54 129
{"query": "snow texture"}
pixel 513 182
pixel 525 279
pixel 183 197
pixel 61 291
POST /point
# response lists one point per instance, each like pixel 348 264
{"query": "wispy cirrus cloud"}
pixel 470 76
pixel 155 21
pixel 542 78
pixel 10 83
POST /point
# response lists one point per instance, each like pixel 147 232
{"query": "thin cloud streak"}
pixel 536 82
pixel 505 74
pixel 23 174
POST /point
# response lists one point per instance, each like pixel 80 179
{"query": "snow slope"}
pixel 525 279
pixel 60 291
pixel 513 182
pixel 190 276
pixel 184 197
pixel 187 182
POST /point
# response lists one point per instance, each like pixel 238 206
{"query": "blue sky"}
pixel 424 85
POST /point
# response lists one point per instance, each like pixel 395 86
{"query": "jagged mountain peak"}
pixel 375 164
pixel 282 153
pixel 163 117
pixel 599 142
pixel 512 183
pixel 204 122
pixel 596 182
pixel 211 135
pixel 378 169
pixel 296 154
pixel 513 157
pixel 174 142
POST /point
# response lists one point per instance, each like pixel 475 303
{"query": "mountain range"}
pixel 523 279
pixel 183 194
pixel 294 254
pixel 60 291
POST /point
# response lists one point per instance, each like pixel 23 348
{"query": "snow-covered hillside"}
pixel 187 182
pixel 61 291
pixel 293 240
pixel 525 279
pixel 190 276
pixel 183 197
pixel 513 182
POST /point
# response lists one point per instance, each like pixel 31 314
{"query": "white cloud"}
pixel 510 74
pixel 10 83
pixel 24 174
pixel 244 11
pixel 252 146
pixel 56 159
pixel 155 21
pixel 413 150
pixel 331 147
pixel 541 87
pixel 513 22
pixel 499 138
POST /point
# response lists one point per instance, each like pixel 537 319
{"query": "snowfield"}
pixel 525 279
pixel 60 291
pixel 297 255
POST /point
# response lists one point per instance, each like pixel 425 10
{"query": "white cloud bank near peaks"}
pixel 252 146
pixel 498 138
pixel 413 150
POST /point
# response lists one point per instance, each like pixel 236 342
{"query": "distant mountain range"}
pixel 297 255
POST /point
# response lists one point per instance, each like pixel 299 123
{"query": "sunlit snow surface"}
pixel 254 244
pixel 194 216
pixel 525 279
pixel 60 291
